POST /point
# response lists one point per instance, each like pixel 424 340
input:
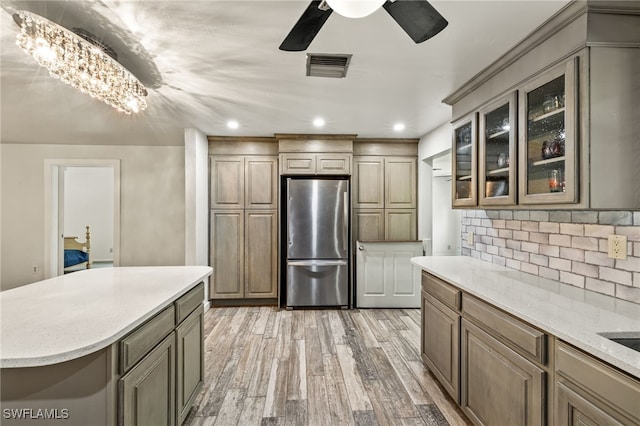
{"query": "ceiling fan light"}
pixel 355 8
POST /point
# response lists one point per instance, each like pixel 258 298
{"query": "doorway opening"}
pixel 81 193
pixel 446 221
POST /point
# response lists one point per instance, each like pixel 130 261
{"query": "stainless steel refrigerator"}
pixel 317 242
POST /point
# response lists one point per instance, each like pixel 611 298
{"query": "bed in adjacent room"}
pixel 77 254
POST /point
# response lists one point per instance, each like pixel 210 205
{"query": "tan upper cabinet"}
pixel 239 182
pixel 400 182
pixel 261 182
pixel 385 191
pixel 464 157
pixel 548 137
pixel 227 182
pixel 315 164
pixel 577 115
pixel 497 152
pixel 368 186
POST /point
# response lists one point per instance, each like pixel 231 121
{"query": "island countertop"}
pixel 572 314
pixel 69 316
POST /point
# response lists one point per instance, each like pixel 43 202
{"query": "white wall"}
pixel 152 221
pixel 446 221
pixel 196 159
pixel 88 201
pixel 430 145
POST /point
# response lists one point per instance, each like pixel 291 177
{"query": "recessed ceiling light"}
pixel 318 122
pixel 232 124
pixel 398 127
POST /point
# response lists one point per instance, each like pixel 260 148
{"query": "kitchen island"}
pixel 537 344
pixel 73 347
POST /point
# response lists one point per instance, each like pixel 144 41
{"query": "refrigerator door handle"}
pixel 317 263
pixel 345 221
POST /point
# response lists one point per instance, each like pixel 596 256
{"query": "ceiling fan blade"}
pixel 307 27
pixel 418 18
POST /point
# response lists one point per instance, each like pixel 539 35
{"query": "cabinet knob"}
pixel 360 248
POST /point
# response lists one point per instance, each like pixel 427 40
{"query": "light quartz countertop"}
pixel 73 315
pixel 569 313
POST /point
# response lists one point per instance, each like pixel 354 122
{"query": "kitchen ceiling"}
pixel 208 62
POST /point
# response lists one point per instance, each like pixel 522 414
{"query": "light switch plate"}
pixel 617 247
pixel 470 238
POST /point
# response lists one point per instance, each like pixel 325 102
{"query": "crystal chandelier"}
pixel 81 61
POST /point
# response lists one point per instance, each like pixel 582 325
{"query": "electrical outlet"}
pixel 618 246
pixel 470 238
pixel 34 269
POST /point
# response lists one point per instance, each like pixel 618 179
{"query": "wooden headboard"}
pixel 72 243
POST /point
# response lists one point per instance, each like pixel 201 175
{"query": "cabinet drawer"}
pixel 188 302
pixel 616 389
pixel 442 291
pixel 526 339
pixel 298 163
pixel 144 338
pixel 333 164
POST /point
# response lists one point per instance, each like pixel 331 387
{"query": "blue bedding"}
pixel 73 257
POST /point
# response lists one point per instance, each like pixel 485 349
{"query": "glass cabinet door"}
pixel 548 138
pixel 498 152
pixel 464 162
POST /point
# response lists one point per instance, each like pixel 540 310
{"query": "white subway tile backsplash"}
pixel 566 246
pixel 539 260
pixel 585 243
pixel 573 279
pixel 631 294
pixel 598 258
pixel 560 240
pixel 560 264
pixel 530 226
pixel 599 231
pixel 549 227
pixel 549 250
pixel 530 247
pixel 600 286
pixel 572 254
pixel 616 275
pixel 572 229
pixel 615 218
pixel 584 269
pixel 538 237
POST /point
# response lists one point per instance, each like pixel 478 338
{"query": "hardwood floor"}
pixel 265 366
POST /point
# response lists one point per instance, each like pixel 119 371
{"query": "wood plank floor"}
pixel 265 366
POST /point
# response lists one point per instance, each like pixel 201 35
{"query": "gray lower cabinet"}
pixel 441 343
pixel 147 391
pixel 499 386
pixel 158 387
pixel 189 362
pixel 589 392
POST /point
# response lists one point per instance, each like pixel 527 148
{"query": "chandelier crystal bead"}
pixel 80 62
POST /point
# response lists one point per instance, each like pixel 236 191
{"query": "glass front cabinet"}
pixel 548 140
pixel 464 188
pixel 497 167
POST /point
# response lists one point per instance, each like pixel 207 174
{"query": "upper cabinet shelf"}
pixel 464 185
pixel 497 143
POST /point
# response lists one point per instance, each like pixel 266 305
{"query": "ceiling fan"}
pixel 418 19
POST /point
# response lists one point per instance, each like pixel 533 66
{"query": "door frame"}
pixel 52 194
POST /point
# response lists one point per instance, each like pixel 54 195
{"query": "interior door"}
pixel 386 278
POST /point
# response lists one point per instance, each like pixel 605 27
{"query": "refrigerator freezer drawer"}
pixel 317 283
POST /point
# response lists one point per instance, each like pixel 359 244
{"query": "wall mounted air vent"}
pixel 322 65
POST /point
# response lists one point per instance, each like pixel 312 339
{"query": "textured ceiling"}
pixel 206 62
